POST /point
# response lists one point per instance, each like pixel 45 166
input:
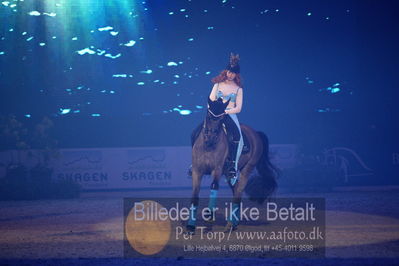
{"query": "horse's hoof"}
pixel 188 233
pixel 230 227
pixel 209 218
pixel 208 229
pixel 190 171
pixel 190 230
pixel 233 181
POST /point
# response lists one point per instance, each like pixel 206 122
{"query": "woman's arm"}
pixel 238 106
pixel 213 95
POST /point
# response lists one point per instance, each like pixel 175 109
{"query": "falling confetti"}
pixel 34 13
pixel 85 51
pixel 103 50
pixel 64 111
pixel 113 56
pixel 148 71
pixel 129 44
pixel 108 28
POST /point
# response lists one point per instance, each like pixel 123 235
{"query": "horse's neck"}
pixel 200 139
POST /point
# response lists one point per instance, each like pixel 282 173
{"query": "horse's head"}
pixel 213 119
pixel 216 108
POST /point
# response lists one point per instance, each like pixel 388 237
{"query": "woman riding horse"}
pixel 227 86
pixel 211 149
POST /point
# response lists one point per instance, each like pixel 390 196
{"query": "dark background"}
pixel 291 53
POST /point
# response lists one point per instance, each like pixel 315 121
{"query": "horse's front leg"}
pixel 197 177
pixel 210 216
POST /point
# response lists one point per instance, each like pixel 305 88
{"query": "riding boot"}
pixel 232 171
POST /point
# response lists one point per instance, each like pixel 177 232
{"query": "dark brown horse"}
pixel 209 153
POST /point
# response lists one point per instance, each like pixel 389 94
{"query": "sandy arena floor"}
pixel 362 227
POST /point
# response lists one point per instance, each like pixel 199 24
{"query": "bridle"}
pixel 216 116
pixel 213 117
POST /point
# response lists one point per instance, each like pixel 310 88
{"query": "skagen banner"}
pixel 282 227
pixel 129 168
pixel 126 167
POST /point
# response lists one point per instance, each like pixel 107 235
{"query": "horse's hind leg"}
pixel 194 201
pixel 238 189
pixel 240 186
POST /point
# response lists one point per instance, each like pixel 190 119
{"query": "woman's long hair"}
pixel 223 76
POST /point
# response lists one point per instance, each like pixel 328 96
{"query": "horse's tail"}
pixel 261 186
